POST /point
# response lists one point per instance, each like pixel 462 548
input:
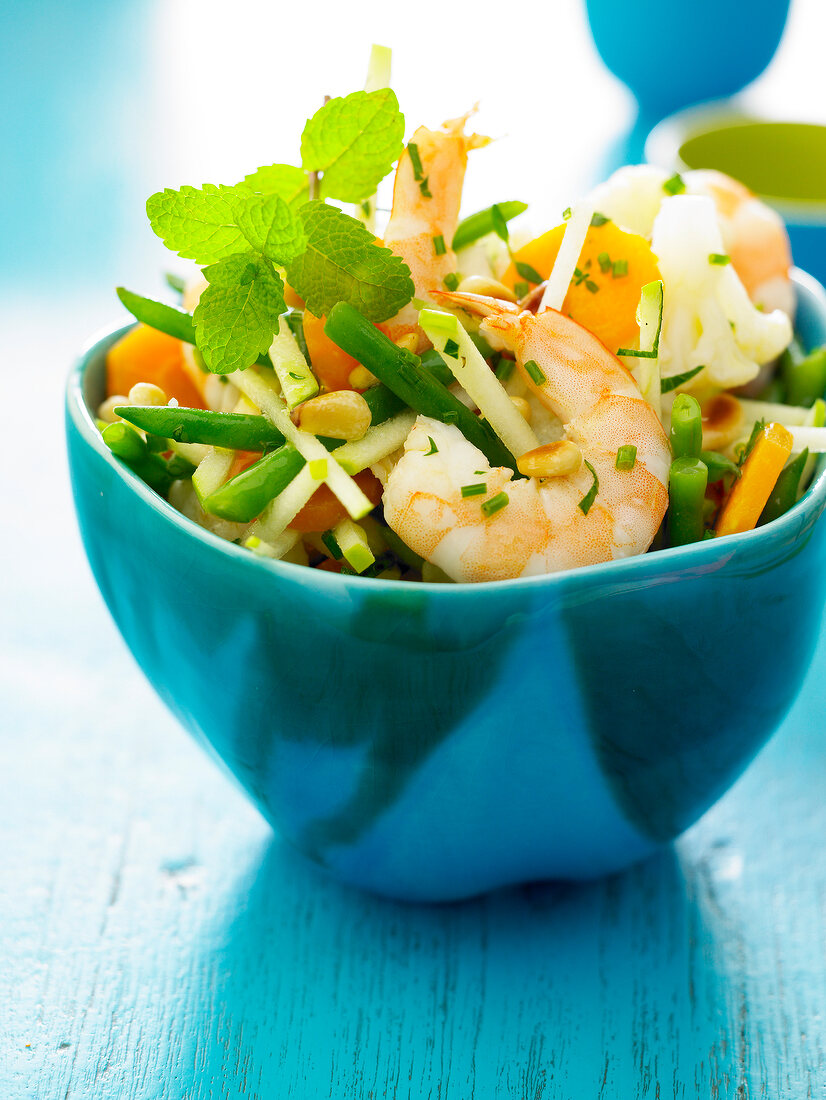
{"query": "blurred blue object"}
pixel 673 54
pixel 432 742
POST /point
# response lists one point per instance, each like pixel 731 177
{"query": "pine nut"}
pixel 523 407
pixel 360 378
pixel 341 414
pixel 147 393
pixel 553 460
pixel 410 342
pixel 491 288
pixel 106 410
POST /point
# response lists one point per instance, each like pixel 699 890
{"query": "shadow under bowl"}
pixel 432 742
pixel 784 163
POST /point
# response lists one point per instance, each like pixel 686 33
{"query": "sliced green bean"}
pixel 719 466
pixel 687 481
pixel 686 427
pixel 402 372
pixel 784 493
pixel 478 225
pixel 124 442
pixel 245 496
pixel 235 431
pixel 158 315
pixel 805 380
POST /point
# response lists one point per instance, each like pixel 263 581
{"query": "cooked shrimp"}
pixel 421 228
pixel 754 237
pixel 542 528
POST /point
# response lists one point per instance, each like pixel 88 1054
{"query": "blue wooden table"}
pixel 156 939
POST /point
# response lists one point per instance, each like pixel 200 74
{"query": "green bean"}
pixel 686 427
pixel 235 431
pixel 124 442
pixel 687 482
pixel 158 315
pixel 246 495
pixel 784 493
pixel 805 380
pixel 718 466
pixel 402 372
pixel 401 550
pixel 479 225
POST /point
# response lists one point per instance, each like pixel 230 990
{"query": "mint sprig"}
pixel 343 263
pixel 270 227
pixel 285 180
pixel 353 141
pixel 199 223
pixel 238 313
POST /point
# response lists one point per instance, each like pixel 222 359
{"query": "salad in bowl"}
pixel 476 554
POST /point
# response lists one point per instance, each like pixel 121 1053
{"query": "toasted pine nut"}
pixel 106 410
pixel 361 378
pixel 523 407
pixel 723 421
pixel 341 414
pixel 478 284
pixel 147 393
pixel 410 341
pixel 553 460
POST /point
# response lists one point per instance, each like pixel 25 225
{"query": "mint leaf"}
pixel 284 180
pixel 197 223
pixel 238 313
pixel 270 227
pixel 343 263
pixel 354 141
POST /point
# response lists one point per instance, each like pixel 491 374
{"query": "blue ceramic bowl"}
pixel 675 144
pixel 432 742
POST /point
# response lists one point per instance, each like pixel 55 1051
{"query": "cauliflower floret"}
pixel 631 197
pixel 707 315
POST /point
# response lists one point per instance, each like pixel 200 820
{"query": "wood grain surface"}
pixel 157 941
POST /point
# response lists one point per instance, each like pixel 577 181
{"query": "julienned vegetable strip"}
pixel 573 240
pixel 212 472
pixel 352 542
pixel 687 482
pixel 262 393
pixel 298 383
pixel 283 509
pixel 760 472
pixel 479 381
pixel 479 225
pixel 247 494
pixel 402 372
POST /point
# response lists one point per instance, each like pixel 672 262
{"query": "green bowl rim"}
pixel 616 571
pixel 663 144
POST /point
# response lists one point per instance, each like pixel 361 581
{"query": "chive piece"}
pixel 439 245
pixel 415 160
pixel 669 384
pixel 451 280
pixel 566 213
pixel 521 288
pixel 604 261
pixel 329 540
pixel 425 190
pixel 504 369
pixel 535 372
pixel 365 208
pixel 452 349
pixel 675 185
pixel 476 490
pixel 500 226
pixel 434 450
pixel 527 272
pixel 579 276
pixel 619 268
pixel 494 505
pixel 598 219
pixel 591 285
pixel 720 259
pixel 626 457
pixel 480 472
pixel 589 498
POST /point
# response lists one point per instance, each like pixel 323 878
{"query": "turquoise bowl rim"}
pixel 663 144
pixel 636 568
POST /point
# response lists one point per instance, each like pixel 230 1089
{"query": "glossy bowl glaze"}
pixel 432 742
